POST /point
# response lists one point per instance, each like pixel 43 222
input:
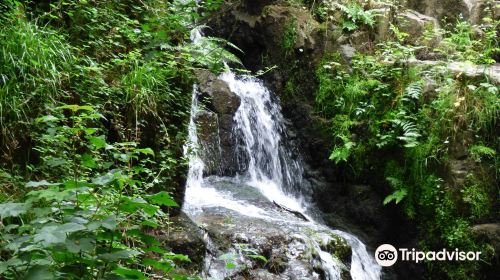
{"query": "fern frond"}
pixel 413 92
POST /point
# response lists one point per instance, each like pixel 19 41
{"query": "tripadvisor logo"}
pixel 388 255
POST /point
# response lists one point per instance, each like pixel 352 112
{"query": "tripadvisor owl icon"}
pixel 386 255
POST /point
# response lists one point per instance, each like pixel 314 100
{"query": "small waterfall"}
pixel 269 175
pixel 259 126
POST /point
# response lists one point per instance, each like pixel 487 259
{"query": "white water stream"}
pixel 270 170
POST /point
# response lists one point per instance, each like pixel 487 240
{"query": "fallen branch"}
pixel 296 213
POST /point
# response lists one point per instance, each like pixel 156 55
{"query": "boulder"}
pixel 208 135
pixel 215 123
pixel 185 237
pixel 415 24
pixel 448 10
pixel 489 233
pixel 347 52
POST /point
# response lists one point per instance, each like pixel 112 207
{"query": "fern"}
pixel 355 15
pixel 400 192
pixel 408 129
pixel 341 153
pixel 413 92
pixel 397 196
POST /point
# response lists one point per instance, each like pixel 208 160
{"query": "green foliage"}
pixel 396 196
pixel 90 222
pixel 353 15
pixel 462 42
pixel 478 199
pixel 80 195
pixel 480 152
pixel 33 68
pixel 289 36
pixel 383 121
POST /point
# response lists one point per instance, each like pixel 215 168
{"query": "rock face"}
pixel 186 238
pixel 415 24
pixel 259 240
pixel 261 36
pixel 491 234
pixel 448 10
pixel 215 123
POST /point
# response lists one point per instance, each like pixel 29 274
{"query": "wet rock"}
pixel 215 124
pixel 361 41
pixel 268 244
pixel 415 24
pixel 255 6
pixel 185 237
pixel 489 233
pixel 223 100
pixel 480 9
pixel 347 52
pixel 383 22
pixel 217 95
pixel 464 69
pixel 208 134
pixel 448 10
pixel 338 247
pixel 476 71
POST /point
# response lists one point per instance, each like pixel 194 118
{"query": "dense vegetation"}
pixel 94 106
pixel 412 125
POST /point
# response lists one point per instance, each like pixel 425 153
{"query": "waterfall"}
pixel 269 175
pixel 259 126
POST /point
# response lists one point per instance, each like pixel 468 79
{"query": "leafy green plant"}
pixel 480 152
pixel 289 36
pixel 94 220
pixel 354 16
pixel 461 42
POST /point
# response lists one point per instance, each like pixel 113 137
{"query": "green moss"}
pixel 289 36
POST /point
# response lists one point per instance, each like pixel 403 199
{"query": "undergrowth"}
pixel 86 187
pixel 386 122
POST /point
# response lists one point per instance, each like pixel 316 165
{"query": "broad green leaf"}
pixel 88 161
pixel 110 223
pixel 75 108
pixel 230 265
pixel 11 209
pixel 50 235
pixel 163 198
pixel 146 151
pixel 131 206
pixel 104 179
pixel 164 266
pixel 397 196
pixel 98 142
pixel 178 257
pixel 54 162
pixel 80 245
pixel 119 254
pixel 149 224
pixel 39 272
pixel 48 118
pixel 33 184
pixel 71 227
pixel 130 273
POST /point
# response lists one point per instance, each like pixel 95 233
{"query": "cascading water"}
pixel 250 206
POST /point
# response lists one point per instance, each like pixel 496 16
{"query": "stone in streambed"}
pixel 215 124
pixel 185 237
